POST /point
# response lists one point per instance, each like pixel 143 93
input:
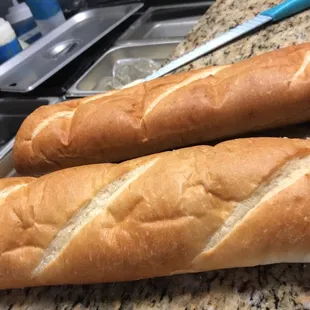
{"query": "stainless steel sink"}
pixel 163 22
pixel 87 84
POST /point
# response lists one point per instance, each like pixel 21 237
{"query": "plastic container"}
pixel 9 45
pixel 22 21
pixel 47 13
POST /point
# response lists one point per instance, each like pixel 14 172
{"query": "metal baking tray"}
pixel 14 120
pixel 163 22
pixel 158 51
pixel 41 60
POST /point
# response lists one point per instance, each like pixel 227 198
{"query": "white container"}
pixel 48 14
pixel 22 21
pixel 9 45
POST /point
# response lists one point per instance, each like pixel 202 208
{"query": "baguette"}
pixel 241 203
pixel 179 110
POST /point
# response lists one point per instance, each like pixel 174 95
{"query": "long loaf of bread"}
pixel 179 110
pixel 241 203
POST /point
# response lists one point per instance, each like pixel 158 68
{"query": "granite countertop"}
pixel 226 14
pixel 269 287
pixel 283 286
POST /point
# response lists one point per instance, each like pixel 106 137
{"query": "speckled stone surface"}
pixel 280 286
pixel 226 14
pixel 271 287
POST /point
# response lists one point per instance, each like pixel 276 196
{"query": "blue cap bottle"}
pixel 47 13
pixel 22 21
pixel 9 45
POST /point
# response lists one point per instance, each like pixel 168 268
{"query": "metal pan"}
pixel 166 22
pixel 41 60
pixel 87 84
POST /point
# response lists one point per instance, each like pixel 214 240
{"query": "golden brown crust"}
pixel 179 110
pixel 159 215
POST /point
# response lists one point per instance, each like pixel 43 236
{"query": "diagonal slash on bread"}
pixel 282 179
pixel 96 206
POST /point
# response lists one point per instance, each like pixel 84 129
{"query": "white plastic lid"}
pixel 18 12
pixel 7 34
